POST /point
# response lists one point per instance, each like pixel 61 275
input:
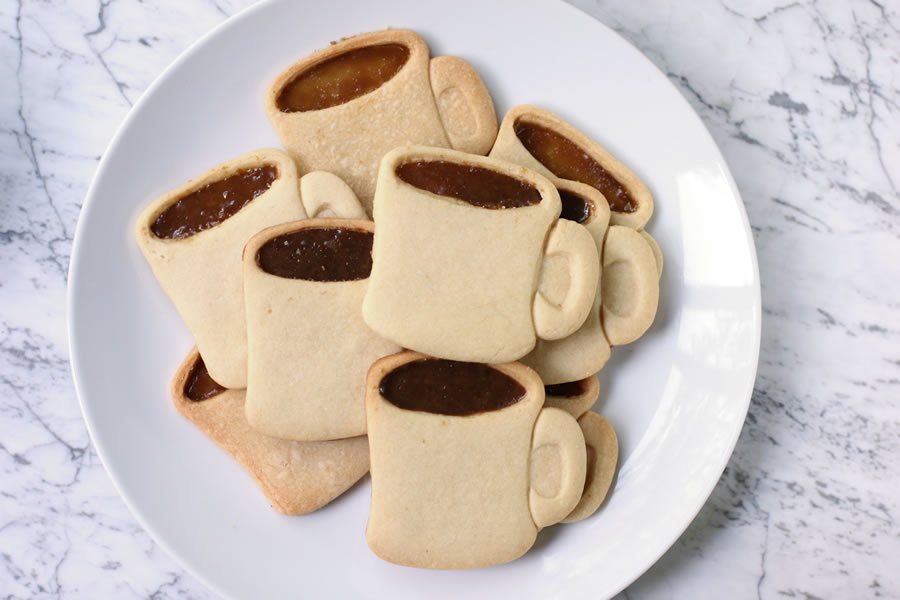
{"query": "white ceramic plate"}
pixel 677 397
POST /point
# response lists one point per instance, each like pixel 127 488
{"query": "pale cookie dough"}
pixel 509 146
pixel 309 349
pixel 602 458
pixel 436 102
pixel 461 492
pixel 630 286
pixel 586 351
pixel 201 273
pixel 457 280
pixel 657 252
pixel 296 477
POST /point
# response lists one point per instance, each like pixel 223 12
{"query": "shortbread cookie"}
pixel 574 397
pixel 460 245
pixel 630 284
pixel 466 464
pixel 602 458
pixel 296 477
pixel 309 349
pixel 586 351
pixel 343 107
pixel 193 237
pixel 540 140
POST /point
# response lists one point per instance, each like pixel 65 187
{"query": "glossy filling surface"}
pixel 199 385
pixel 342 78
pixel 570 389
pixel 213 203
pixel 567 160
pixel 326 254
pixel 478 186
pixel 449 387
pixel 574 207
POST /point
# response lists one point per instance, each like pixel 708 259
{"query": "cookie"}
pixel 343 107
pixel 540 140
pixel 630 284
pixel 466 465
pixel 309 349
pixel 193 237
pixel 471 260
pixel 296 477
pixel 585 351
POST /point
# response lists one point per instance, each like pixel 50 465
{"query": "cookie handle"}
pixel 464 103
pixel 553 321
pixel 602 446
pixel 324 194
pixel 630 285
pixel 554 492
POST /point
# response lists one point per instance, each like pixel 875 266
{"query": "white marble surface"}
pixel 804 100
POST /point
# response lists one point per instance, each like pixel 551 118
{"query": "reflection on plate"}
pixel 677 398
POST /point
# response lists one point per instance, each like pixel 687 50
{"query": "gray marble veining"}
pixel 802 98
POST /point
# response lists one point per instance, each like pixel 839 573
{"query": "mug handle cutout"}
pixel 602 446
pixel 630 286
pixel 464 104
pixel 556 428
pixel 555 321
pixel 324 195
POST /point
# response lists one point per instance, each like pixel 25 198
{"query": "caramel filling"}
pixel 478 186
pixel 199 385
pixel 213 203
pixel 342 78
pixel 327 254
pixel 449 387
pixel 570 389
pixel 574 207
pixel 565 159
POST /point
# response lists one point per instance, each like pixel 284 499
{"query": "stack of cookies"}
pixel 413 291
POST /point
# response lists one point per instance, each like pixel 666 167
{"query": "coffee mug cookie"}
pixel 471 260
pixel 466 463
pixel 540 140
pixel 193 237
pixel 296 477
pixel 343 107
pixel 308 347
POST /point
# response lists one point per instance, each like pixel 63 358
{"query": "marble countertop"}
pixel 802 97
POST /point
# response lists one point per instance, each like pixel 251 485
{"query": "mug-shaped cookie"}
pixel 462 245
pixel 601 443
pixel 342 108
pixel 466 464
pixel 296 477
pixel 308 347
pixel 193 237
pixel 540 140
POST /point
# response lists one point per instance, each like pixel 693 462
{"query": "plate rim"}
pixel 116 140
